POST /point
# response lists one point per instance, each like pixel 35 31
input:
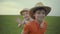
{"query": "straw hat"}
pixel 37 6
pixel 24 10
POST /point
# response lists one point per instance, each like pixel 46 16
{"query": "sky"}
pixel 13 7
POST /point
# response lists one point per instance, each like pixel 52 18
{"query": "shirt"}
pixel 34 28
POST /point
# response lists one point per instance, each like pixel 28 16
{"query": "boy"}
pixel 25 14
pixel 38 13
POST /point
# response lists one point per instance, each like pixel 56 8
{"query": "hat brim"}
pixel 48 9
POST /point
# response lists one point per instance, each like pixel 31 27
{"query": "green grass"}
pixel 8 24
pixel 53 25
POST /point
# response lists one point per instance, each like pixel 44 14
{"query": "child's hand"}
pixel 19 20
pixel 19 25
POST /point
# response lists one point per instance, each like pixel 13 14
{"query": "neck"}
pixel 38 21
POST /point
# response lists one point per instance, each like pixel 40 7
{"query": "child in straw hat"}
pixel 25 14
pixel 38 25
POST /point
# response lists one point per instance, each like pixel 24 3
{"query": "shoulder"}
pixel 30 23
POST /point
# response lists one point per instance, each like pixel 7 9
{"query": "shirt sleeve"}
pixel 26 29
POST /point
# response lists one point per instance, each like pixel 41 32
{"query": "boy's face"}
pixel 39 14
pixel 25 14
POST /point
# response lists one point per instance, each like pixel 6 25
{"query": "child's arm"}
pixel 19 25
pixel 19 20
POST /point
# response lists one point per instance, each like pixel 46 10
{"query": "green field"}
pixel 8 24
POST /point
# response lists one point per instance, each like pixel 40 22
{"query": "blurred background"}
pixel 9 11
pixel 13 7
